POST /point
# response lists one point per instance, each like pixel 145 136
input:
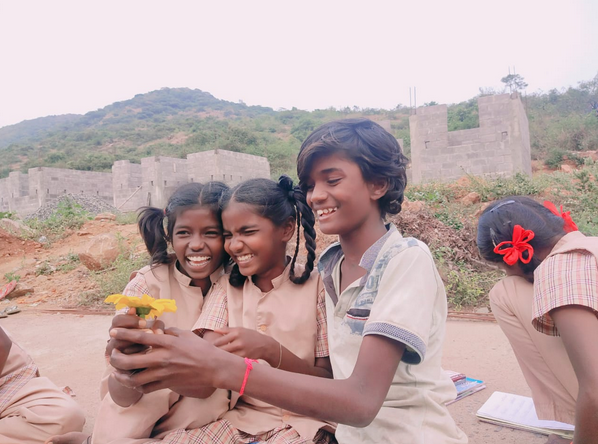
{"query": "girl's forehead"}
pixel 235 209
pixel 195 212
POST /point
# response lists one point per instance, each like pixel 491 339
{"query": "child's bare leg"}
pixel 69 438
pixel 554 439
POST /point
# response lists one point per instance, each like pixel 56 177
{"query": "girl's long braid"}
pixel 236 279
pixel 151 228
pixel 306 219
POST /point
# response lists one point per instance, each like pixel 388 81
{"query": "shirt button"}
pixel 263 327
pixel 285 418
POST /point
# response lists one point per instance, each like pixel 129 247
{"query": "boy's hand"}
pixel 131 320
pixel 248 343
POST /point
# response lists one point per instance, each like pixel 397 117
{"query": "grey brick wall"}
pixel 130 185
pixel 499 147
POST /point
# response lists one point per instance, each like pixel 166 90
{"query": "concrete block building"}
pixel 130 185
pixel 499 147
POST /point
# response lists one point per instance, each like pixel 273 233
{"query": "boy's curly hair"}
pixel 371 147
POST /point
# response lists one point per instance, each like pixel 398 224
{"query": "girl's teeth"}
pixel 245 257
pixel 198 260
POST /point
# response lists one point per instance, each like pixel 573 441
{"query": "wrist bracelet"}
pixel 249 363
pixel 280 358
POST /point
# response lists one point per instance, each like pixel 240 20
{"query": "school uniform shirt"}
pixel 160 412
pixel 568 276
pixel 294 315
pixel 542 358
pixel 18 370
pixel 32 407
pixel 165 281
pixel 401 297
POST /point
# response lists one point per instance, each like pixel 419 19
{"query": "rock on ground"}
pixel 100 252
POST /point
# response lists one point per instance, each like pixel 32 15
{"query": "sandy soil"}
pixel 69 349
pixel 60 288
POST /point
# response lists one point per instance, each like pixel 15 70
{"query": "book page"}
pixel 519 410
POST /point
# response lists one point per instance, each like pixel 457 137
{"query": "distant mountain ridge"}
pixel 35 128
pixel 177 121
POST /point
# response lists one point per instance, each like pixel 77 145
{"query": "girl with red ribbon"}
pixel 547 306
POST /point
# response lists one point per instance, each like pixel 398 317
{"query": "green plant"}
pixel 518 185
pixel 45 268
pixel 114 279
pixel 126 218
pixel 7 215
pixel 11 276
pixel 68 263
pixel 67 216
pixel 555 158
pixel 431 193
pixel 449 219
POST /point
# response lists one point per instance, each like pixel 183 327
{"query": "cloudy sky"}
pixel 59 57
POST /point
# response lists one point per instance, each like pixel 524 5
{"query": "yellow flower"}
pixel 145 306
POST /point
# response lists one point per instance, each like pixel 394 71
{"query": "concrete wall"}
pixel 226 166
pixel 25 193
pixel 499 147
pixel 126 185
pixel 130 185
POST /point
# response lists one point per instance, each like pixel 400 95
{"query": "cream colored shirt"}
pixel 402 298
pixel 165 281
pixel 292 314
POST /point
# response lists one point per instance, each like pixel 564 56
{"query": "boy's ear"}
pixel 288 229
pixel 378 188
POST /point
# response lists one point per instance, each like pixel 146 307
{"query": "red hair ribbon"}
pixel 513 250
pixel 569 224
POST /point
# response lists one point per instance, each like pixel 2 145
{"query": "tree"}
pixel 514 82
pixel 591 89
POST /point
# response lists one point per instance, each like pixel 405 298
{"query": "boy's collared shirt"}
pixel 401 297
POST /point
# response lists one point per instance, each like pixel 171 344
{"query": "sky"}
pixel 60 57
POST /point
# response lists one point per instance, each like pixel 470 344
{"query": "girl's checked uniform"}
pixel 158 413
pixel 32 408
pixel 543 359
pixel 294 315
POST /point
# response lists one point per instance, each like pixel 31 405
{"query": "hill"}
pixel 178 121
pixel 34 129
pixel 170 122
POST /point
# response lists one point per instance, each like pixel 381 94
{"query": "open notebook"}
pixel 519 412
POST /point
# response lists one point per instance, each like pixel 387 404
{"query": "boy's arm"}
pixel 5 346
pixel 194 362
pixel 578 327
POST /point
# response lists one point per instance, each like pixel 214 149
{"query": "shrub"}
pixel 68 215
pixel 10 276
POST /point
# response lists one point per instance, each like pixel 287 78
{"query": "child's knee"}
pixel 74 418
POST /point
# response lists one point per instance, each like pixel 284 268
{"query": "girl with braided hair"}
pixel 273 308
pixel 385 304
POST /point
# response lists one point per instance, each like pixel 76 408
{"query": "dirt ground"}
pixel 67 341
pixel 61 288
pixel 69 350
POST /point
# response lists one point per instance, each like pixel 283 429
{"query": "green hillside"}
pixel 176 122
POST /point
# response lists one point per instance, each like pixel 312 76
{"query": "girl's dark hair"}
pixel 498 220
pixel 366 143
pixel 277 202
pixel 151 220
